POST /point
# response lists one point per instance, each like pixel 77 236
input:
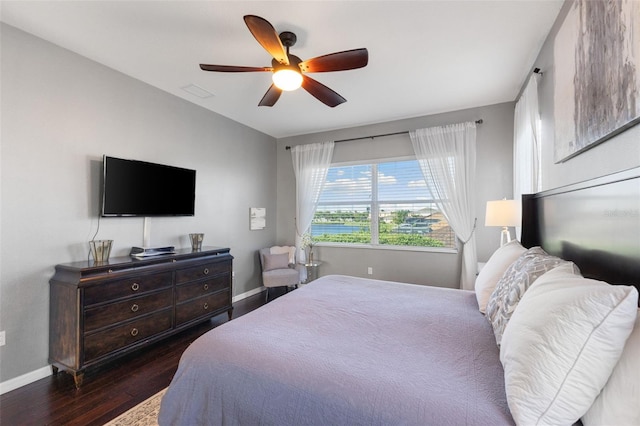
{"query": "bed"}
pixel 352 351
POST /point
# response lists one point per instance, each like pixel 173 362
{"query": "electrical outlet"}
pixel 2 338
pixel 370 270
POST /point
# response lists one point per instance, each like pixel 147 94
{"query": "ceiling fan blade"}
pixel 271 97
pixel 232 68
pixel 321 92
pixel 267 36
pixel 339 61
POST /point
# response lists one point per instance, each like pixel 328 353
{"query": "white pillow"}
pixel 493 270
pixel 562 343
pixel 619 402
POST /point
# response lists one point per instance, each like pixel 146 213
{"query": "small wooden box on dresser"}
pixel 100 311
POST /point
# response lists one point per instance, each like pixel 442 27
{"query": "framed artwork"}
pixel 597 74
pixel 257 218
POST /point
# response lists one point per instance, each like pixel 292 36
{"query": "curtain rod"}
pixel 375 136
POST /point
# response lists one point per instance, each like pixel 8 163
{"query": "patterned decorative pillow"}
pixel 514 282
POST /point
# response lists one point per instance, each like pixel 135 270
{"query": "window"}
pixel 384 204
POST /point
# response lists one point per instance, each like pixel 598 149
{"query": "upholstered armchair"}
pixel 279 268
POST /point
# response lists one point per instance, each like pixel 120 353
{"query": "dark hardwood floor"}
pixel 110 390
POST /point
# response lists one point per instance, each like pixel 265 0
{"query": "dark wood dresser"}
pixel 100 311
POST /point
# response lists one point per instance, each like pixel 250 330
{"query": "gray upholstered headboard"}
pixel 595 224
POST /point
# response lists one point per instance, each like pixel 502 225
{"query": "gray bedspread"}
pixel 345 351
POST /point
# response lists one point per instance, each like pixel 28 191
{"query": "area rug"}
pixel 143 414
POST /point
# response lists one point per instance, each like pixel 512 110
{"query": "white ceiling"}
pixel 425 57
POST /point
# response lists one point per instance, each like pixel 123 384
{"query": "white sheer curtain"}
pixel 527 145
pixel 310 165
pixel 447 156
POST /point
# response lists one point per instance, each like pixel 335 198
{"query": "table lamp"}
pixel 503 213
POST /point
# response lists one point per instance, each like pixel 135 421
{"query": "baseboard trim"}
pixel 41 373
pixel 247 294
pixel 25 379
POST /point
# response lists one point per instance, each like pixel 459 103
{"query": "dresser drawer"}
pixel 120 336
pixel 112 313
pixel 202 306
pixel 201 288
pixel 126 287
pixel 202 271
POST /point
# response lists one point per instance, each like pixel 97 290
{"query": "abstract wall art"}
pixel 596 74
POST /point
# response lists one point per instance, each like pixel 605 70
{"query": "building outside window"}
pixel 381 204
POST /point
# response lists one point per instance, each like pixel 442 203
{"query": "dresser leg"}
pixel 77 378
pixel 54 369
pixel 230 313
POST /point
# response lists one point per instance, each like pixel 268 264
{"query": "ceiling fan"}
pixel 288 69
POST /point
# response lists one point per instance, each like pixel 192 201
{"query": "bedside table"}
pixel 312 270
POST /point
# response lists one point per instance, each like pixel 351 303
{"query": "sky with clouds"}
pixel 397 181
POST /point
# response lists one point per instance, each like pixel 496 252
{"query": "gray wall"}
pixel 60 113
pixel 494 181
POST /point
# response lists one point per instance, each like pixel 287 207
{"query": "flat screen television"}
pixel 139 188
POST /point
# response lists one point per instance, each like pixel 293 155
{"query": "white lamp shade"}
pixel 503 213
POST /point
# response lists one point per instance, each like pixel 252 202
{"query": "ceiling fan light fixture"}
pixel 287 69
pixel 287 79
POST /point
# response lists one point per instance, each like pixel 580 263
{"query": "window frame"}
pixel 375 205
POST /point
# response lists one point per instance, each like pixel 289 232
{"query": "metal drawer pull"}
pixel 206 286
pixel 135 308
pixel 135 286
pixel 206 271
pixel 134 332
pixel 206 306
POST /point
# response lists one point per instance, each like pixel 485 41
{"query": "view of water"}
pixel 335 228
